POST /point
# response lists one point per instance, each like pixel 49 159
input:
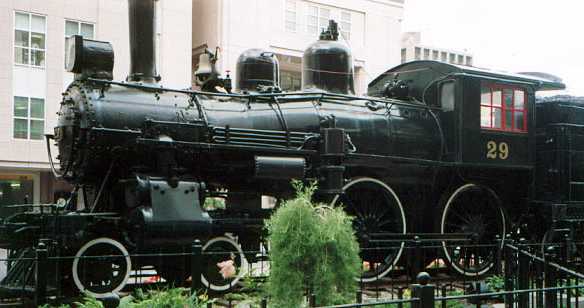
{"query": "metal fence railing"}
pixel 522 275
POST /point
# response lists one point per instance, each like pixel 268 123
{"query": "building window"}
pixel 443 56
pixel 29 118
pixel 79 28
pixel 503 108
pixel 346 25
pixel 290 16
pixel 317 19
pixel 468 60
pixel 290 81
pixel 452 58
pixel 418 53
pixel 403 55
pixel 312 20
pixel 460 59
pixel 435 55
pixel 15 189
pixel 323 18
pixel 426 54
pixel 29 39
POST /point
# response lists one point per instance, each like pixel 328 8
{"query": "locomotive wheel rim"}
pixel 547 241
pixel 455 265
pixel 397 202
pixel 242 266
pixel 79 255
pixel 552 238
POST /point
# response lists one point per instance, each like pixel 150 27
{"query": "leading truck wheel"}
pixel 224 264
pixel 376 209
pixel 102 266
pixel 475 210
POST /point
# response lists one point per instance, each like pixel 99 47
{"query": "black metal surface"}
pixel 256 68
pixel 271 167
pixel 560 146
pixel 142 20
pixel 90 58
pixel 328 64
pixel 167 215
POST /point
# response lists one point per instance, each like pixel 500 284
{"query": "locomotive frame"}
pixel 409 159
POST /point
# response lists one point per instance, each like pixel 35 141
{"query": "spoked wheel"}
pixel 224 264
pixel 101 266
pixel 376 209
pixel 476 210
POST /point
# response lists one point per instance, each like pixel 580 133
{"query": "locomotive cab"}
pixel 487 118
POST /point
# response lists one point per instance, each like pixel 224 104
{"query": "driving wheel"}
pixel 477 211
pixel 376 209
pixel 224 264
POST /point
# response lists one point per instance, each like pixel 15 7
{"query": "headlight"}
pixel 89 58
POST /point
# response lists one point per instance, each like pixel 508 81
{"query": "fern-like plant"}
pixel 311 246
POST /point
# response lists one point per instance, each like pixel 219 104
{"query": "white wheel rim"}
pixel 442 226
pixel 240 274
pixel 403 217
pixel 83 249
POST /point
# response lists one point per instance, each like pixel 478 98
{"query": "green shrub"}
pixel 495 283
pixel 179 298
pixel 311 246
pixel 170 298
pixel 252 291
pixel 214 203
pixel 88 302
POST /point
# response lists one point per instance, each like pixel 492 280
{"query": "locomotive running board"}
pixel 381 238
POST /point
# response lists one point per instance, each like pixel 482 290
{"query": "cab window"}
pixel 503 107
pixel 447 95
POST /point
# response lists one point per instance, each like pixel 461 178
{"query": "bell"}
pixel 205 69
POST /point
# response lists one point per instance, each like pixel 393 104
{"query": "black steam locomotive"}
pixel 432 148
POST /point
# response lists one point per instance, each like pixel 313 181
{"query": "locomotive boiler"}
pixel 432 148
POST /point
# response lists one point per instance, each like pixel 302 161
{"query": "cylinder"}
pixel 142 22
pixel 255 68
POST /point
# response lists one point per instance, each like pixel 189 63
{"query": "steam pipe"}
pixel 142 19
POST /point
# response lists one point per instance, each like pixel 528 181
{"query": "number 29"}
pixel 500 151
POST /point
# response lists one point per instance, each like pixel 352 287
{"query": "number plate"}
pixel 497 150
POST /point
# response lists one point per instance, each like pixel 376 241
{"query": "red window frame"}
pixel 504 109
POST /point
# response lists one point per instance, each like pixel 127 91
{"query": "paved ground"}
pixel 2 263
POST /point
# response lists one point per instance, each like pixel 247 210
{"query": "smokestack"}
pixel 142 18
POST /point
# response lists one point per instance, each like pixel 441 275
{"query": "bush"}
pixel 177 297
pixel 495 283
pixel 311 246
pixel 171 298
